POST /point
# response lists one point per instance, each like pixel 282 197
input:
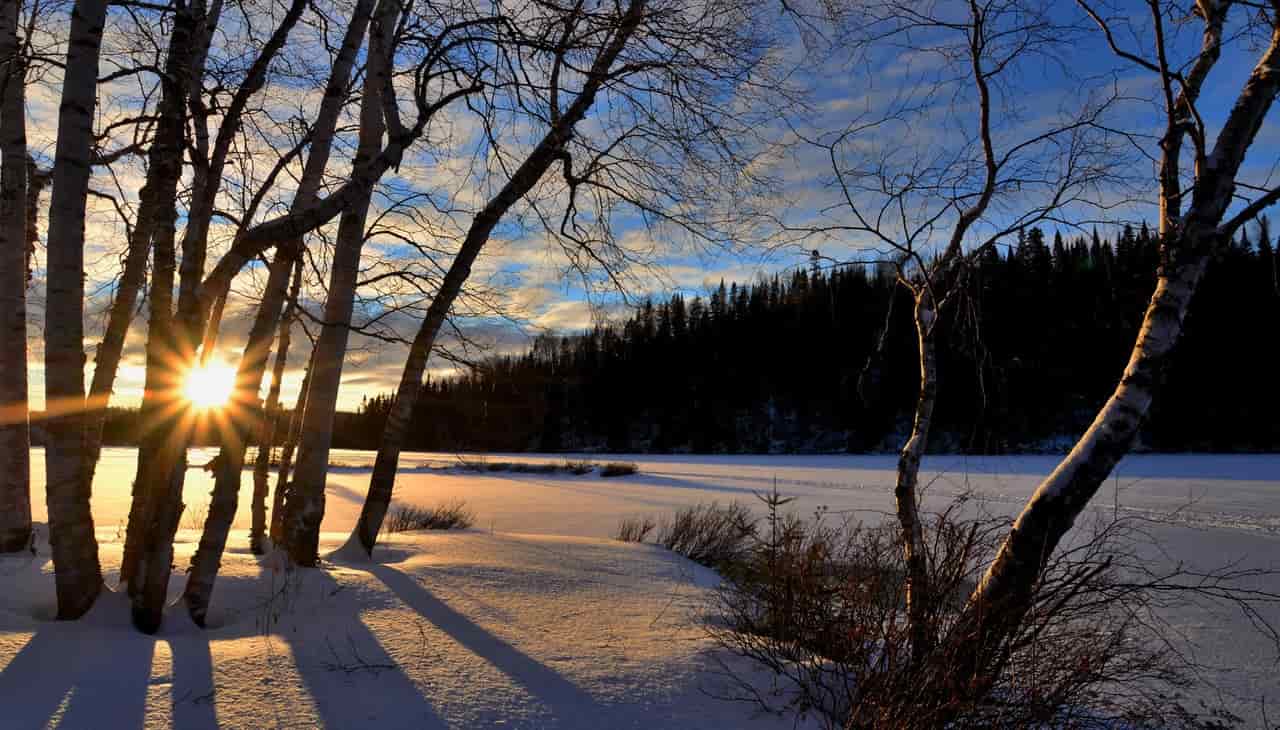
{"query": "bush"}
pixel 451 515
pixel 635 529
pixel 579 467
pixel 521 467
pixel 473 463
pixel 618 469
pixel 716 536
pixel 822 606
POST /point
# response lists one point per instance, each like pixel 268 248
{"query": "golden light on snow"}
pixel 209 385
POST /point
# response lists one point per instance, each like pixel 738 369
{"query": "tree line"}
pixel 794 363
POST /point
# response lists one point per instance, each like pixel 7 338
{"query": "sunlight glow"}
pixel 209 385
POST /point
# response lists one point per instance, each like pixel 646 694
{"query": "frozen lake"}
pixel 1236 493
pixel 1212 510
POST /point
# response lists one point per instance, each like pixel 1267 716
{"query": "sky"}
pixel 910 115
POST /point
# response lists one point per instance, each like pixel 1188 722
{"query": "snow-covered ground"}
pixel 535 618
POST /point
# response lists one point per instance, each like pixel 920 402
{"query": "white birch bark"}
pixel 906 495
pixel 206 561
pixel 266 436
pixel 15 435
pixel 1002 597
pixel 304 500
pixel 77 573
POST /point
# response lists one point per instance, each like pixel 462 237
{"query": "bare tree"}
pixel 266 435
pixel 548 150
pixel 245 408
pixel 651 159
pixel 155 229
pixel 933 211
pixel 15 436
pixel 133 269
pixel 305 501
pixel 77 573
pixel 157 506
pixel 1190 232
pixel 303 506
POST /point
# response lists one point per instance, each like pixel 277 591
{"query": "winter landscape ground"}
pixel 536 617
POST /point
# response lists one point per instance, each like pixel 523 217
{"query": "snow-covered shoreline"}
pixel 536 618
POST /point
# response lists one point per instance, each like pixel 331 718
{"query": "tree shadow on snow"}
pixel 349 675
pixel 192 691
pixel 567 702
pixel 84 672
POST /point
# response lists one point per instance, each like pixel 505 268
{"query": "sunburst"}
pixel 209 386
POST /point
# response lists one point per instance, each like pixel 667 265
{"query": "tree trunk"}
pixel 77 573
pixel 15 434
pixel 267 434
pixel 318 158
pixel 157 500
pixel 107 360
pixel 548 150
pixel 157 506
pixel 276 530
pixel 161 414
pixel 1004 594
pixel 919 598
pixel 205 563
pixel 1002 598
pixel 133 275
pixel 304 505
pixel 246 418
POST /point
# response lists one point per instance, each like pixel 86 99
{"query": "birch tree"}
pixel 1200 209
pixel 933 210
pixel 15 437
pixel 77 572
pixel 133 270
pixel 266 435
pixel 174 328
pixel 245 410
pixel 592 58
pixel 435 88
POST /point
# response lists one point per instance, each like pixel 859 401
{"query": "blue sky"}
pixel 528 275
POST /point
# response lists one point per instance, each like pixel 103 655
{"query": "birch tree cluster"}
pixel 268 176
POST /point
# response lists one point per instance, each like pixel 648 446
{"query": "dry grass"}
pixel 578 467
pixel 451 515
pixel 635 529
pixel 715 535
pixel 618 469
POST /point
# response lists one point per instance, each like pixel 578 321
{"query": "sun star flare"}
pixel 209 385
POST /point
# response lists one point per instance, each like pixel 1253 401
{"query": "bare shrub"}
pixel 635 529
pixel 194 516
pixel 618 469
pixel 451 515
pixel 821 605
pixel 473 463
pixel 521 467
pixel 579 467
pixel 716 536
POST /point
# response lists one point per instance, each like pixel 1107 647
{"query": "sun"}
pixel 209 385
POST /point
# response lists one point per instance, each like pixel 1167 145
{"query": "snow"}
pixel 535 618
